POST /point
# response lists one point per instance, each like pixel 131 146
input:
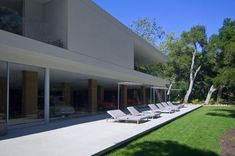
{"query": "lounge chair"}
pixel 179 106
pixel 61 110
pixel 154 108
pixel 164 110
pixel 149 114
pixel 119 115
pixel 174 108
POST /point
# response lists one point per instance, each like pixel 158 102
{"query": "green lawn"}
pixel 197 133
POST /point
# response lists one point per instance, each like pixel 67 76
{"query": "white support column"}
pixel 150 94
pixel 47 95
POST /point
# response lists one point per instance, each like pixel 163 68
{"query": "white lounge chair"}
pixel 149 114
pixel 119 115
pixel 163 109
pixel 178 106
pixel 174 108
pixel 154 108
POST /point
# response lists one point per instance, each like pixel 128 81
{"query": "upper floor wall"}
pixel 79 26
pixel 91 33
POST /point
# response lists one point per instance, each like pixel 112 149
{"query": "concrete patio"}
pixel 82 136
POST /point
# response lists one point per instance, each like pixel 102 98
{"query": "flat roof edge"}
pixel 123 27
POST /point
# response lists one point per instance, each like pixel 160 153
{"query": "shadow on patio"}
pixel 162 148
pixel 61 123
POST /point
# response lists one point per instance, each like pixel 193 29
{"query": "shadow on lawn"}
pixel 163 148
pixel 222 113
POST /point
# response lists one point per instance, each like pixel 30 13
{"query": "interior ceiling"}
pixel 79 80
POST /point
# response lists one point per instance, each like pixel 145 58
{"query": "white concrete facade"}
pixel 95 43
pixel 79 38
pixel 15 48
pixel 94 35
pixel 80 24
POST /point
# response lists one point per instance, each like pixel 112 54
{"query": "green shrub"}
pixel 196 101
pixel 220 101
pixel 212 101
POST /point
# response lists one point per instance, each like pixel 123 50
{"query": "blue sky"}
pixel 173 15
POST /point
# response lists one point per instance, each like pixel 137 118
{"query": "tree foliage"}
pixel 148 30
pixel 214 57
pixel 226 55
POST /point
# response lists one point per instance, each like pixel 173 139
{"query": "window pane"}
pixel 11 16
pixel 26 94
pixel 3 90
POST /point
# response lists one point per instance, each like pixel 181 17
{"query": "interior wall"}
pixel 46 22
pixel 55 14
pixel 32 17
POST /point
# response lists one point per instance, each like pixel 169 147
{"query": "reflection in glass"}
pixel 26 94
pixel 3 90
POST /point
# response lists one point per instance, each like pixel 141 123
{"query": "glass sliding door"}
pixel 26 94
pixel 3 91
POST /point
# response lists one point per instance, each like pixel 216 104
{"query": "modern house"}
pixel 59 56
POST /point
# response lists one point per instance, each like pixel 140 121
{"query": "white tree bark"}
pixel 211 91
pixel 192 76
pixel 186 97
pixel 169 88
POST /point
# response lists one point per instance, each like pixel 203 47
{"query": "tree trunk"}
pixel 192 76
pixel 169 90
pixel 208 97
pixel 186 97
pixel 219 94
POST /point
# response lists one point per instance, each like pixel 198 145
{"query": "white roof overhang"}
pixel 15 48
